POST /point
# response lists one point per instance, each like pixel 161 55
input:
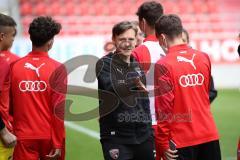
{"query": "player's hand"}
pixel 8 139
pixel 140 85
pixel 170 155
pixel 54 154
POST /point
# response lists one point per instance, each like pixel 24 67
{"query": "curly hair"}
pixel 150 11
pixel 171 25
pixel 42 29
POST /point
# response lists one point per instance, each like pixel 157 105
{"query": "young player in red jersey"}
pixel 182 82
pixel 149 52
pixel 9 58
pixel 38 97
pixel 7 34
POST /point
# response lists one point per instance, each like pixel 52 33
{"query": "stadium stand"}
pixel 83 17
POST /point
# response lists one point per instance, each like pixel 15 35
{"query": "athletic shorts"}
pixel 205 151
pixel 34 149
pixel 143 151
pixel 5 153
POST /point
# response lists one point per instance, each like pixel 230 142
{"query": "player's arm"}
pixel 2 125
pixel 9 140
pixel 102 71
pixel 164 98
pixel 212 91
pixel 58 82
pixel 144 61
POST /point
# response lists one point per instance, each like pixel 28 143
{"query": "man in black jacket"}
pixel 125 120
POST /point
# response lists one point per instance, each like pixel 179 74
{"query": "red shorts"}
pixel 34 149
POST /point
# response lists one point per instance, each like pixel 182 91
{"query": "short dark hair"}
pixel 42 29
pixel 170 25
pixel 150 11
pixel 121 27
pixel 6 21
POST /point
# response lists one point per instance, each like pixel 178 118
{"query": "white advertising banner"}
pixel 223 54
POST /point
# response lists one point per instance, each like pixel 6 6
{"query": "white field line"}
pixel 83 130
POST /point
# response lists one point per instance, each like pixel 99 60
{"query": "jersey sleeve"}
pixel 103 74
pixel 4 107
pixel 164 98
pixel 4 87
pixel 142 55
pixel 4 73
pixel 58 83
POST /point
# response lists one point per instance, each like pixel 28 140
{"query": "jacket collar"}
pixel 178 48
pixel 150 38
pixel 117 59
pixel 38 54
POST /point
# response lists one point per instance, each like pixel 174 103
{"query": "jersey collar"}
pixel 4 53
pixel 178 48
pixel 38 54
pixel 119 61
pixel 151 37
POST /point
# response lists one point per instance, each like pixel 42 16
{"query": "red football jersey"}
pixel 9 56
pixel 38 87
pixel 182 81
pixel 4 72
pixel 147 54
pixel 4 99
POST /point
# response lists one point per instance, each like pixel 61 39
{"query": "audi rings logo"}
pixel 32 86
pixel 191 80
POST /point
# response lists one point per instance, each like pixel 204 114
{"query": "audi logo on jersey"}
pixel 32 86
pixel 191 80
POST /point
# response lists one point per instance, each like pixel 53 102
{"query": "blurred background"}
pixel 213 26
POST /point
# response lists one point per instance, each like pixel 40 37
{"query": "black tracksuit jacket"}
pixel 124 109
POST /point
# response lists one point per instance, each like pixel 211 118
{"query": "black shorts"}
pixel 205 151
pixel 143 151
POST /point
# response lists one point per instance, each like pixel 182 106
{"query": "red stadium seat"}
pixel 40 9
pixel 83 9
pixel 25 9
pixel 69 9
pixel 55 9
pixel 98 16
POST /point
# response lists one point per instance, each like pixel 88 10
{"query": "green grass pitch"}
pixel 226 110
